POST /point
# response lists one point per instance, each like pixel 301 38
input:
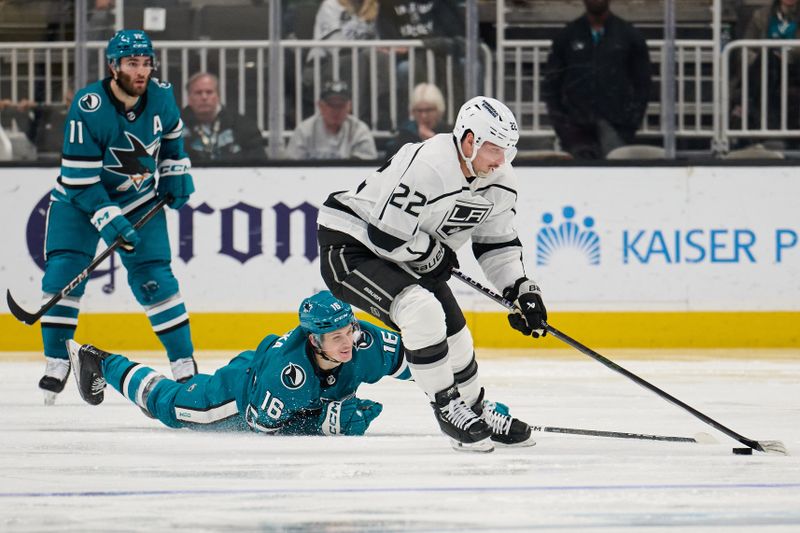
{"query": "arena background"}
pixel 632 257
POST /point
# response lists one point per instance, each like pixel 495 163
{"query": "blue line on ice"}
pixel 544 488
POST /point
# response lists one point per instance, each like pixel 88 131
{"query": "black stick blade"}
pixel 18 312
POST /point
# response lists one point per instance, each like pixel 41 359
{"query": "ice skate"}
pixel 183 369
pixel 87 366
pixel 468 432
pixel 55 377
pixel 507 431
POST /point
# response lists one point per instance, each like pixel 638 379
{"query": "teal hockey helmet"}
pixel 128 43
pixel 323 313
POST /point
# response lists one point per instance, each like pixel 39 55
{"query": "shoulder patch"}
pixel 293 376
pixel 364 340
pixel 162 84
pixel 89 102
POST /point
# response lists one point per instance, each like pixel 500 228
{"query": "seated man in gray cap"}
pixel 332 133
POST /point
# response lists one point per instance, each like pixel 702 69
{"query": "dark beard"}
pixel 124 83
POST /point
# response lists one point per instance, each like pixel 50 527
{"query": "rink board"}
pixel 626 257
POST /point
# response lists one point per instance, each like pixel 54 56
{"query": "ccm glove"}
pixel 110 222
pixel 349 417
pixel 175 182
pixel 437 263
pixel 530 312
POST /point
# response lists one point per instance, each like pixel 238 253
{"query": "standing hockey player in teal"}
pixel 122 148
pixel 303 383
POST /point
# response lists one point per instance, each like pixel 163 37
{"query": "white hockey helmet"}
pixel 488 120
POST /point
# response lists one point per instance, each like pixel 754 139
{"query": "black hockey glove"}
pixel 435 266
pixel 530 312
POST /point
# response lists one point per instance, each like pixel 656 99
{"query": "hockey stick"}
pixel 31 318
pixel 767 446
pixel 699 438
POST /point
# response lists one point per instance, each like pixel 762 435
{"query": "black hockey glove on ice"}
pixel 530 311
pixel 437 263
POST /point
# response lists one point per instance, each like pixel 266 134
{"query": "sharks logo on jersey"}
pixel 463 216
pixel 364 341
pixel 137 163
pixel 293 376
pixel 90 102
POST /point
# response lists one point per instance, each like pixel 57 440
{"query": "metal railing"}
pixel 770 122
pixel 242 66
pixel 695 105
pixel 39 71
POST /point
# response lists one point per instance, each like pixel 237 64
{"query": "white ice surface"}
pixel 73 467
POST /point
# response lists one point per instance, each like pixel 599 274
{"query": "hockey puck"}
pixel 743 451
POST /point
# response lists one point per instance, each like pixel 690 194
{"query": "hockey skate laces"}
pixel 460 415
pixel 498 422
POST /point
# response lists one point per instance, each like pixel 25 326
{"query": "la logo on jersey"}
pixel 293 376
pixel 137 163
pixel 463 216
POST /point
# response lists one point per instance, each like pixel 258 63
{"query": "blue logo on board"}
pixel 568 234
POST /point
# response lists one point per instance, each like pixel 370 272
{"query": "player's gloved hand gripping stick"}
pixel 767 446
pixel 31 318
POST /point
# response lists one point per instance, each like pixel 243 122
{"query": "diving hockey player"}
pixel 303 383
pixel 120 134
pixel 387 246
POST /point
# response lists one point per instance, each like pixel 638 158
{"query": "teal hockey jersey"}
pixel 287 390
pixel 111 155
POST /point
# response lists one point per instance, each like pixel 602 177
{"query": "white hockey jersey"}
pixel 421 194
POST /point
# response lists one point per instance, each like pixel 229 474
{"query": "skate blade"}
pixel 49 397
pixel 527 443
pixel 482 446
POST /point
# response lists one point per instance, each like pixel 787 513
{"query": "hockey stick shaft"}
pixel 31 318
pixel 613 366
pixel 612 434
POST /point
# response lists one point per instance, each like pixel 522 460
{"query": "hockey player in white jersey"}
pixel 387 246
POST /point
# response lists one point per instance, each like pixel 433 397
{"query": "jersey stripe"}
pixel 509 189
pixel 445 195
pixel 478 249
pixel 207 416
pixel 73 162
pixel 79 182
pixel 382 239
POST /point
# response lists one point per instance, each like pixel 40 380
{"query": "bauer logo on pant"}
pixel 293 376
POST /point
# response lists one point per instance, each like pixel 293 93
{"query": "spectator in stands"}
pixel 47 129
pixel 341 20
pixel 42 124
pixel 781 20
pixel 344 20
pixel 17 116
pixel 214 134
pixel 439 24
pixel 427 112
pixel 597 82
pixel 332 133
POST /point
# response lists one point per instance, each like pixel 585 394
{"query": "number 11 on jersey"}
pixel 75 131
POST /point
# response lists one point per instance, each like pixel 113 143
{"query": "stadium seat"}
pixel 755 151
pixel 637 151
